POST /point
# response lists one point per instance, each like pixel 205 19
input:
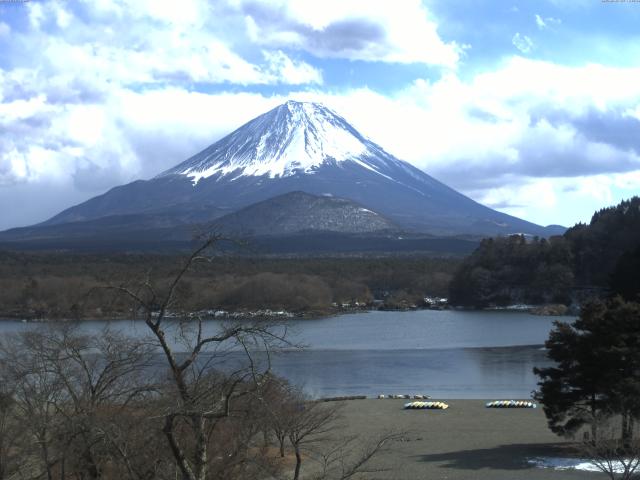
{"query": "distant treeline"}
pixel 601 256
pixel 66 285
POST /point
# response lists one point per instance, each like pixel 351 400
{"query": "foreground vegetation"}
pixel 110 407
pixel 54 285
pixel 178 403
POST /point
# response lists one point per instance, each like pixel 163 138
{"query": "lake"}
pixel 446 353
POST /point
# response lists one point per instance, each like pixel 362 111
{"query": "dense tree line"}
pixel 601 256
pixel 514 269
pixel 597 247
pixel 625 280
pixel 54 284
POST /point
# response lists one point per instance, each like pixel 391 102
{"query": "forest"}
pixel 64 285
pixel 594 259
pixel 597 259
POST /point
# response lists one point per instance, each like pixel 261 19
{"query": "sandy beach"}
pixel 465 442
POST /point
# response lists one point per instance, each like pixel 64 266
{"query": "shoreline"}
pixel 206 315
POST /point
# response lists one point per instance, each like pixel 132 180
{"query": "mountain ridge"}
pixel 299 147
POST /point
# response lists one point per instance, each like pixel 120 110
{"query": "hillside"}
pixel 298 212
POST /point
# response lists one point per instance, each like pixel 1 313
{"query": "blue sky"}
pixel 531 107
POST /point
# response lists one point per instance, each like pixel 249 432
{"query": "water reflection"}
pixel 504 372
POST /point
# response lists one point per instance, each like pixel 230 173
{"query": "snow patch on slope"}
pixel 293 138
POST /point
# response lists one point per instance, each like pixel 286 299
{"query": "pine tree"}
pixel 597 369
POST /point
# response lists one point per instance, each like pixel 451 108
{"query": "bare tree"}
pixel 10 434
pixel 102 376
pixel 346 458
pixel 279 401
pixel 35 392
pixel 69 389
pixel 199 401
pixel 613 455
pixel 313 430
pixel 309 424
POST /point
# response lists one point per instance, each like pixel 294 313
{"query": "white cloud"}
pixel 547 22
pixel 629 181
pixel 495 114
pixel 17 110
pixel 185 13
pixel 142 42
pixel 541 193
pixel 293 72
pixel 397 32
pixel 36 14
pixel 63 17
pixel 196 59
pixel 522 42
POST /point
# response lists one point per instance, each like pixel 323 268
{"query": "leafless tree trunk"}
pixel 197 404
pixel 309 423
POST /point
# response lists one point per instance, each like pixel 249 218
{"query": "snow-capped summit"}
pixel 295 137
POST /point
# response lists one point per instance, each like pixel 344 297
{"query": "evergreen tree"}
pixel 625 280
pixel 597 371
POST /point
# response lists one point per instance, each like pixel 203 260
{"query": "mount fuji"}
pixel 296 147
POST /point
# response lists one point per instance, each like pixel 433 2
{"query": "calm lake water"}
pixel 446 354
